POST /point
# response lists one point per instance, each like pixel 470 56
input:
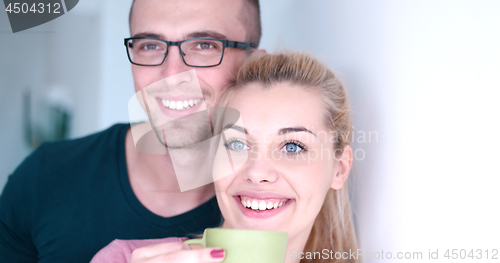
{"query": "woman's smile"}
pixel 261 204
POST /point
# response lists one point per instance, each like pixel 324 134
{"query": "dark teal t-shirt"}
pixel 69 199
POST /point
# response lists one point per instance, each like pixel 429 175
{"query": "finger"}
pixel 158 249
pixel 204 255
pixel 195 246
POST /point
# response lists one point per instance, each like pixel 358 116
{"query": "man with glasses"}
pixel 69 199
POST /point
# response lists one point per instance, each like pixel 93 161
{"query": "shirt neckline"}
pixel 163 222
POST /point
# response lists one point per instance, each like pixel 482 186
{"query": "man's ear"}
pixel 344 163
pixel 259 52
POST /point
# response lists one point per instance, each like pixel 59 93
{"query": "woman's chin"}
pixel 255 226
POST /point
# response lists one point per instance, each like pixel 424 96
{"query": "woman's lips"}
pixel 262 208
pixel 262 204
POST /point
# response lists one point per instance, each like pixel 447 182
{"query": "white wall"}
pixel 445 91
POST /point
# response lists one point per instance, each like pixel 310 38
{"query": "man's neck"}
pixel 154 182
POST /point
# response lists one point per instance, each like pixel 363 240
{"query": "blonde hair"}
pixel 333 228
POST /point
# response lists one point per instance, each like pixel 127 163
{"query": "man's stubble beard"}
pixel 184 132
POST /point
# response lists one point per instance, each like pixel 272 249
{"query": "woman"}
pixel 295 140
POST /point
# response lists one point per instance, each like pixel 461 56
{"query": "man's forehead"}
pixel 170 19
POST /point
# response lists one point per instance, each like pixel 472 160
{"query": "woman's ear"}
pixel 344 167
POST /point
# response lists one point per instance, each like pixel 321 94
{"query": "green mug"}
pixel 242 246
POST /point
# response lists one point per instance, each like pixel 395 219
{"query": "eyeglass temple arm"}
pixel 242 45
pixel 126 42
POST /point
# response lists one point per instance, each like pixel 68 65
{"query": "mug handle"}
pixel 196 242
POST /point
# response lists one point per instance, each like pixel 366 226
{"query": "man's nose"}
pixel 173 63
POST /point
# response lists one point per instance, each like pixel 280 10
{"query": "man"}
pixel 69 199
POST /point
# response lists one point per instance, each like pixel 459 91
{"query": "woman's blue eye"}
pixel 237 146
pixel 292 148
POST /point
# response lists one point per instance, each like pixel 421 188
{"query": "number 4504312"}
pixel 40 8
pixel 471 254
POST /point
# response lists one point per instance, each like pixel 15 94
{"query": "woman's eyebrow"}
pixel 282 131
pixel 237 128
pixel 294 129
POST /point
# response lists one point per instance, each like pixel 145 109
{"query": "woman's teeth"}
pixel 261 205
pixel 179 104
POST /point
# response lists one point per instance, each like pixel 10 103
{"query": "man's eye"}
pixel 204 46
pixel 237 146
pixel 292 148
pixel 150 47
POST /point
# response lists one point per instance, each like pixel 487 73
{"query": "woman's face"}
pixel 290 162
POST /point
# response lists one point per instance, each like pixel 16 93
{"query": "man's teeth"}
pixel 179 104
pixel 262 204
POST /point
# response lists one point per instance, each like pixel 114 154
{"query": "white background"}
pixel 422 75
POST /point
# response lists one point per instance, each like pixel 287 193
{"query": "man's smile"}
pixel 179 104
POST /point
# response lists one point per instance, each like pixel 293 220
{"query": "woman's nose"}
pixel 260 170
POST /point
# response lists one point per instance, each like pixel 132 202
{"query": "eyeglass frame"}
pixel 225 44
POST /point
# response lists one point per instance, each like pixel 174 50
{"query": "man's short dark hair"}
pixel 249 16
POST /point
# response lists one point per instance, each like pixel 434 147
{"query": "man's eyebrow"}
pixel 237 128
pixel 198 34
pixel 148 34
pixel 207 34
pixel 294 129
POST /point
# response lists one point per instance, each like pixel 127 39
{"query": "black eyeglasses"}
pixel 195 52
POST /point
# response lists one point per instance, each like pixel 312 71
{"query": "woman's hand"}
pixel 176 252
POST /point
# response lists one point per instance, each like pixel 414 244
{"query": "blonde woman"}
pixel 295 133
